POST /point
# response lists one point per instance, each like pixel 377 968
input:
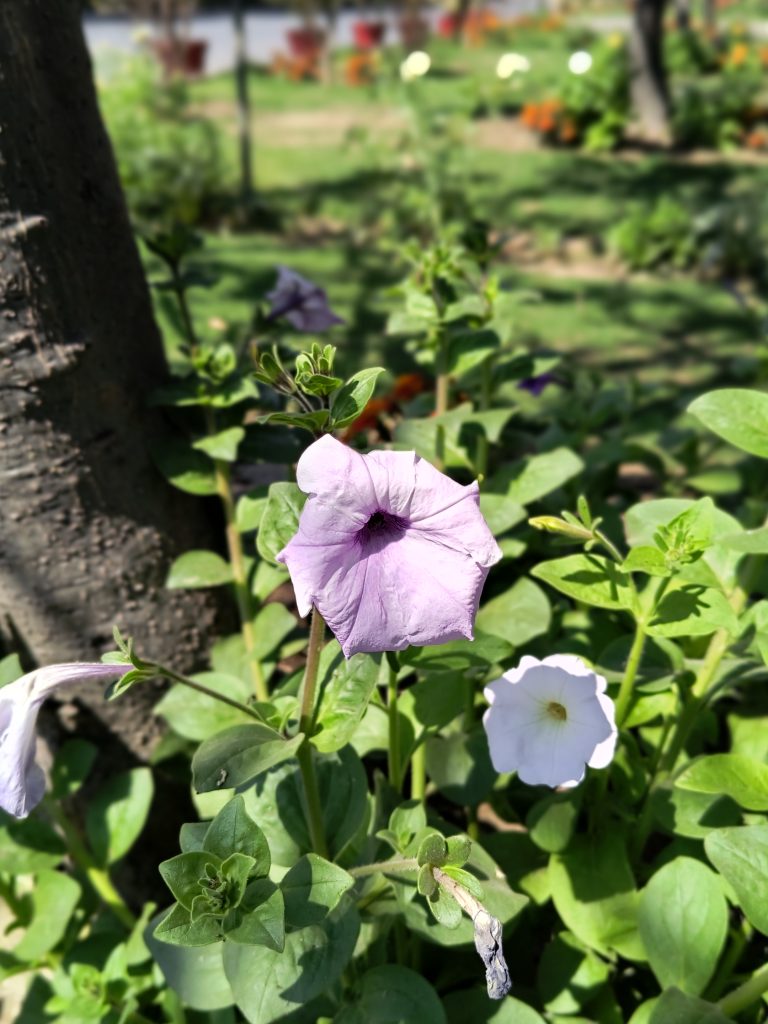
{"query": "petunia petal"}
pixel 338 476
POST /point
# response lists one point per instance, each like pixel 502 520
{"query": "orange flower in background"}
pixel 569 131
pixel 763 54
pixel 738 55
pixel 757 139
pixel 360 69
pixel 408 385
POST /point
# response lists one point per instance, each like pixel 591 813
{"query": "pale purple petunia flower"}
pixel 22 782
pixel 548 720
pixel 390 551
pixel 303 303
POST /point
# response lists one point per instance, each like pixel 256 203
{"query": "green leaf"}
pixel 10 669
pixel 116 815
pixel 351 399
pixel 185 468
pixel 195 716
pixel 459 850
pixel 594 893
pixel 691 610
pixel 178 929
pixel 460 766
pixel 239 754
pixel 249 510
pixel 444 908
pixel 277 803
pixel 314 422
pixel 537 475
pixel 432 850
pixel 569 974
pixel 458 656
pixel 271 626
pixel 268 986
pixel 280 520
pixel 741 856
pixel 551 821
pixel 473 1005
pixel 222 446
pixel 312 888
pixel 500 513
pixel 259 920
pixel 753 542
pixel 694 815
pixel 183 872
pixel 29 846
pixel 683 921
pixel 468 349
pixel 517 615
pixel 393 995
pixel 648 560
pixel 675 1007
pixel 196 975
pixel 234 831
pixel 590 579
pixel 741 778
pixel 54 899
pixel 345 687
pixel 738 415
pixel 199 569
pixel 71 767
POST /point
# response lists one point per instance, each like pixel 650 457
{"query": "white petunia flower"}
pixel 580 62
pixel 548 720
pixel 415 65
pixel 512 63
pixel 22 782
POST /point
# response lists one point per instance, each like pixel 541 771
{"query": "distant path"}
pixel 265 32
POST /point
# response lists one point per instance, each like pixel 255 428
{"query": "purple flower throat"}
pixel 382 528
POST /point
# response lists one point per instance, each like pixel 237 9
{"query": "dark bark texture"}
pixel 88 527
pixel 650 95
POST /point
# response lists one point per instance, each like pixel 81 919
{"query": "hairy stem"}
pixel 306 724
pixel 396 866
pixel 243 597
pixel 745 995
pixel 393 754
pixel 419 772
pixel 630 674
pixel 97 877
pixel 176 677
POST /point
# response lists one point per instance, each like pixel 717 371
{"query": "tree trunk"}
pixel 650 96
pixel 88 526
pixel 243 105
pixel 683 15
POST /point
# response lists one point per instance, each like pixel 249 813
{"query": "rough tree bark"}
pixel 87 525
pixel 650 95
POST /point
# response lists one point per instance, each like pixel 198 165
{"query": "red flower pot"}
pixel 448 25
pixel 181 56
pixel 414 31
pixel 305 43
pixel 368 35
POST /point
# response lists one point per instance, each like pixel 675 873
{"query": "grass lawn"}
pixel 330 157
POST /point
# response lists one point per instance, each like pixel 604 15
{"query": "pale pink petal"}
pixel 339 477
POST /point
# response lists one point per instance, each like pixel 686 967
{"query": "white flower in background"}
pixel 22 782
pixel 548 720
pixel 512 63
pixel 415 65
pixel 580 62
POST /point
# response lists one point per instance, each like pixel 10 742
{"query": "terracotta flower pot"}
pixel 306 43
pixel 414 31
pixel 181 56
pixel 368 35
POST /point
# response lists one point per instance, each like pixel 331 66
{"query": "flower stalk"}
pixel 746 994
pixel 97 877
pixel 306 724
pixel 393 754
pixel 630 674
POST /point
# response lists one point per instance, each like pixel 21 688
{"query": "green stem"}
pixel 630 673
pixel 397 866
pixel 745 995
pixel 306 725
pixel 419 772
pixel 393 754
pixel 97 877
pixel 176 677
pixel 243 597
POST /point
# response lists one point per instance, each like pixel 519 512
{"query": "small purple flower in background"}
pixel 22 782
pixel 303 304
pixel 535 385
pixel 548 720
pixel 390 551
